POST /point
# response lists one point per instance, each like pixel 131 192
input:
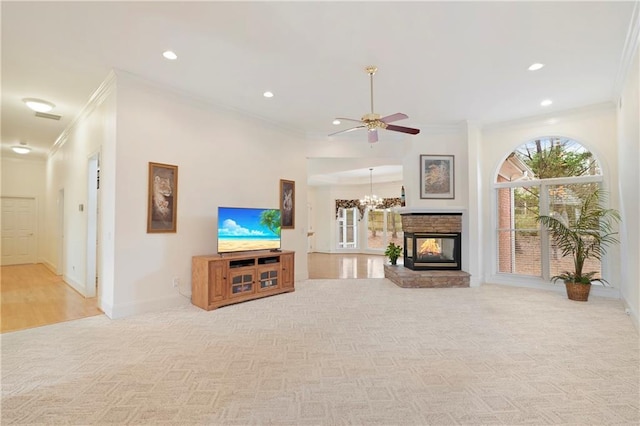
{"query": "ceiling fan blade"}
pixel 348 119
pixel 348 130
pixel 373 136
pixel 394 117
pixel 402 129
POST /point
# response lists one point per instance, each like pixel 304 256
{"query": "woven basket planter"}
pixel 578 292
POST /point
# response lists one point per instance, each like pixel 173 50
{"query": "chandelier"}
pixel 371 201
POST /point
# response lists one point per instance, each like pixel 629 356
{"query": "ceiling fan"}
pixel 372 121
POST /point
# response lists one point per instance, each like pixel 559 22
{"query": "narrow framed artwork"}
pixel 162 207
pixel 437 176
pixel 288 203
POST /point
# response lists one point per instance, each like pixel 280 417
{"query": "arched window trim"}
pixel 542 184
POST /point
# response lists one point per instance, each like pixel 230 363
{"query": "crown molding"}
pixel 631 44
pixel 97 98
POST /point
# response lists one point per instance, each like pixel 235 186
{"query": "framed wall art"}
pixel 288 203
pixel 437 176
pixel 163 198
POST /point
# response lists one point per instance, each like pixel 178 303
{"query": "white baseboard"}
pixel 136 308
pixel 630 310
pixel 474 281
pixel 75 285
pixel 50 266
pixel 536 283
pixel 106 308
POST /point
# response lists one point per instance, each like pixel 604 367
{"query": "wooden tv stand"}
pixel 222 279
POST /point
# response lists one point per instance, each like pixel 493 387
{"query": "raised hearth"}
pixel 407 278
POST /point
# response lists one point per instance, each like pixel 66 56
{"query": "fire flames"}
pixel 430 247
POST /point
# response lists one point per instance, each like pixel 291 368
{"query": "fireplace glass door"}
pixel 433 251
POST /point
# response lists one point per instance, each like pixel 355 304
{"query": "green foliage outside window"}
pixel 550 158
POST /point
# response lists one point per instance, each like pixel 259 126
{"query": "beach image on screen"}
pixel 245 229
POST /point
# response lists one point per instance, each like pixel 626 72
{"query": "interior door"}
pixel 18 230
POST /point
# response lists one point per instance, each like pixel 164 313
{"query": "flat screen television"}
pixel 248 229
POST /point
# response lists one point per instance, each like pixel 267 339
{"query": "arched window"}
pixel 544 176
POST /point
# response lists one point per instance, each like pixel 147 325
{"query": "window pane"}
pixel 526 207
pixel 564 202
pixel 394 229
pixel 350 236
pixel 518 235
pixel 347 228
pixel 349 217
pixel 519 252
pixel 551 157
pixel 375 231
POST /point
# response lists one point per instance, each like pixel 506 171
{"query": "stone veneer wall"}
pixel 426 222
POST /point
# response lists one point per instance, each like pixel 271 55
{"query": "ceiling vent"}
pixel 49 116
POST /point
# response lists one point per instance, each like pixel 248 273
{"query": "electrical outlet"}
pixel 176 282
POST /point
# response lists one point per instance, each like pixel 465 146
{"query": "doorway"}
pixel 60 264
pixel 93 186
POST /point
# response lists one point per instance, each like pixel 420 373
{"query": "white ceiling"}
pixel 439 62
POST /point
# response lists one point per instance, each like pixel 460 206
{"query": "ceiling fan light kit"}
pixel 372 121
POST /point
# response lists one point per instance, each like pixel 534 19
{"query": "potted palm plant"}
pixel 586 237
pixel 393 251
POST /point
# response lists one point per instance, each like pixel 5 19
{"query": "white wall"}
pixel 448 141
pixel 629 160
pixel 67 169
pixel 223 159
pixel 594 127
pixel 24 177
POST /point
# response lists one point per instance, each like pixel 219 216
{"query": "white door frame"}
pixel 92 225
pixel 61 245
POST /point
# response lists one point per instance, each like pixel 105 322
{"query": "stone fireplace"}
pixel 432 241
pixel 432 251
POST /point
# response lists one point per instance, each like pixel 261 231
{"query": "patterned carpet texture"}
pixel 335 352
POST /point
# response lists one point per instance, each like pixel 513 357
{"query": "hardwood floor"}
pixel 332 266
pixel 32 296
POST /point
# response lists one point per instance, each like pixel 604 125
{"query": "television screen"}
pixel 246 229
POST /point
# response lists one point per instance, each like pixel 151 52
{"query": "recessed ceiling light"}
pixel 21 149
pixel 170 55
pixel 336 122
pixel 546 102
pixel 536 66
pixel 38 105
pixel 267 95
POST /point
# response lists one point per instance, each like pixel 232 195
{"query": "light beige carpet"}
pixel 335 352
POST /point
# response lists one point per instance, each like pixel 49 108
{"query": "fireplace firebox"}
pixel 432 251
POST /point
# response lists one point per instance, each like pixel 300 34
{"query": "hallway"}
pixel 32 296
